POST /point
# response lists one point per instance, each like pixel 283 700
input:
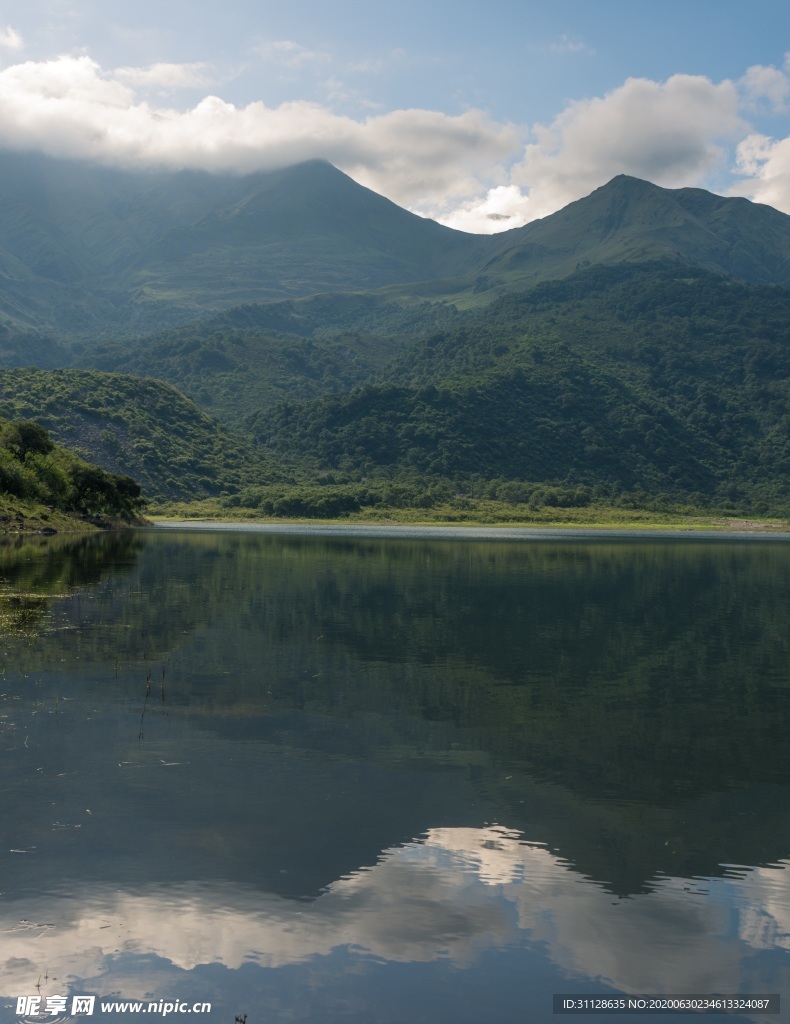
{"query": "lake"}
pixel 430 777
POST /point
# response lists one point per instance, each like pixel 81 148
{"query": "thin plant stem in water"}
pixel 141 734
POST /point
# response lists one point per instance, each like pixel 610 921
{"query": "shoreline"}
pixel 724 529
pixel 27 519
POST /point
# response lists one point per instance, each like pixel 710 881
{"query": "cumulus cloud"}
pixel 10 38
pixel 503 207
pixel 433 156
pixel 669 133
pixel 764 164
pixel 766 84
pixel 70 107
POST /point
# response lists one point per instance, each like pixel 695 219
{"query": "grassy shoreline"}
pixel 20 516
pixel 589 518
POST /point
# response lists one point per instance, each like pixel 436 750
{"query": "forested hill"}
pixel 139 427
pixel 642 378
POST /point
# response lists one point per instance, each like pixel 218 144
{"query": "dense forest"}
pixel 620 380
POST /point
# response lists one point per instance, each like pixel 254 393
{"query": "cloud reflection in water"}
pixel 449 895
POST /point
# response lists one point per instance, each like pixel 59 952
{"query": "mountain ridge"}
pixel 631 220
pixel 85 248
pixel 88 252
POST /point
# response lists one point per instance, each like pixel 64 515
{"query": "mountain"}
pixel 629 220
pixel 85 249
pixel 635 343
pixel 252 356
pixel 91 253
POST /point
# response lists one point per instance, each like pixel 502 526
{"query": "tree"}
pixel 25 437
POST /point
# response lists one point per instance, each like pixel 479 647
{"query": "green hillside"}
pixel 651 379
pixel 86 249
pixel 249 357
pixel 46 488
pixel 136 426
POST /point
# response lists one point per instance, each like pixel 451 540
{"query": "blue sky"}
pixel 482 115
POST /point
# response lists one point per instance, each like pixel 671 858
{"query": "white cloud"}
pixel 70 107
pixel 429 158
pixel 10 38
pixel 766 84
pixel 568 45
pixel 503 207
pixel 288 53
pixel 764 164
pixel 72 85
pixel 166 76
pixel 669 133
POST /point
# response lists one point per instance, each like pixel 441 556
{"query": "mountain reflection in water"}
pixel 393 779
pixel 449 895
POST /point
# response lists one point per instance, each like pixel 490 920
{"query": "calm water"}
pixel 346 778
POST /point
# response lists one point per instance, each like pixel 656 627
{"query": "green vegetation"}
pixel 46 487
pixel 253 356
pixel 139 427
pixel 357 506
pixel 612 355
pixel 639 386
pixel 636 384
pixel 233 373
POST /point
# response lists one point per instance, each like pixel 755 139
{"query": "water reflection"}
pixel 449 895
pixel 622 707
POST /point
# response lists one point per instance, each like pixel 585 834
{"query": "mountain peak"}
pixel 166 246
pixel 632 220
